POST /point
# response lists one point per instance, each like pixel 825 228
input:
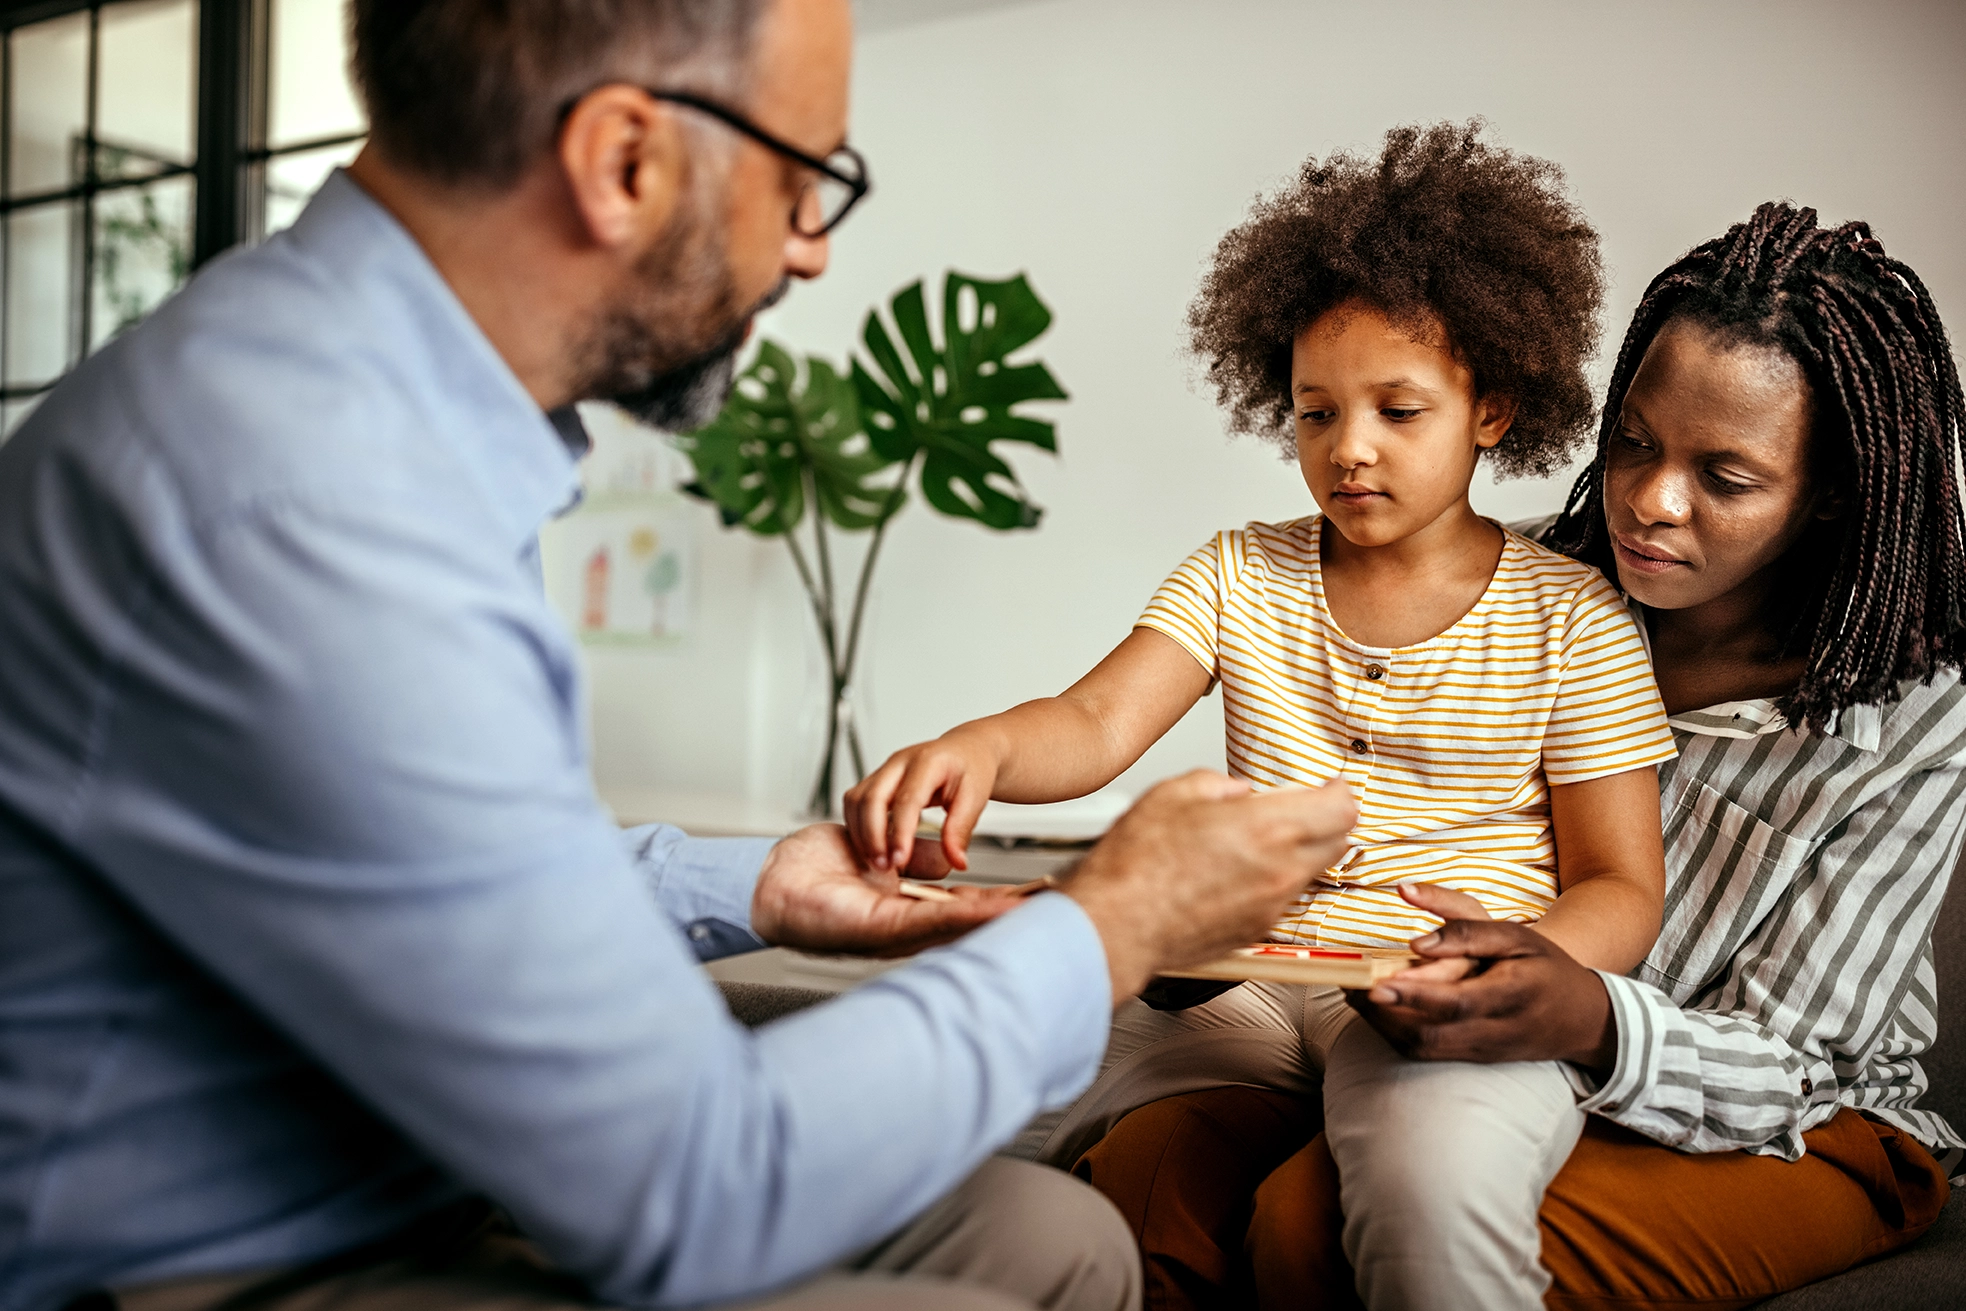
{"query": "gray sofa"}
pixel 753 1004
pixel 1930 1275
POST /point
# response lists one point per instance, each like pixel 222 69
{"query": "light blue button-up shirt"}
pixel 309 918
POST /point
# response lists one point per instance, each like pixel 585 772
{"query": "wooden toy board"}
pixel 1277 962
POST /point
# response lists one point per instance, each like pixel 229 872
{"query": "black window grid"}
pixel 228 169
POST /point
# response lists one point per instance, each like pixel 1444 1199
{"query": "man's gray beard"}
pixel 691 395
pixel 687 398
pixel 687 299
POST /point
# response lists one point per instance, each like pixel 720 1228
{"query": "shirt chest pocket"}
pixel 1726 870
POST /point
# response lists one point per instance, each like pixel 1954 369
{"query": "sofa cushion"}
pixel 752 1004
pixel 1930 1275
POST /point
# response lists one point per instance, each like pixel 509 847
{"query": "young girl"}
pixel 1488 701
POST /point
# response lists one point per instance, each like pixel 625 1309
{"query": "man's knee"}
pixel 879 1292
pixel 1029 1231
pixel 1072 1242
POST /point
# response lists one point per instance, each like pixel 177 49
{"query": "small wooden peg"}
pixel 924 891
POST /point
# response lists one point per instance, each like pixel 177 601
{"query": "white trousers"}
pixel 1442 1164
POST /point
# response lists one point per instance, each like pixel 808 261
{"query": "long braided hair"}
pixel 1882 602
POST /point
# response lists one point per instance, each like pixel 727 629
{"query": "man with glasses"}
pixel 325 980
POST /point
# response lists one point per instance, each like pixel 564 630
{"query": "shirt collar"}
pixel 1861 726
pixel 1731 719
pixel 525 460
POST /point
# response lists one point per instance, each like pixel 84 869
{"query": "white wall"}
pixel 1104 146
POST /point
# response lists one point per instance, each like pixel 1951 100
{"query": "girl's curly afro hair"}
pixel 1442 232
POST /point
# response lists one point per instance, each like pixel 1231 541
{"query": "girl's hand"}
pixel 1449 904
pixel 955 772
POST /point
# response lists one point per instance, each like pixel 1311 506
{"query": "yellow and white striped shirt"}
pixel 1450 744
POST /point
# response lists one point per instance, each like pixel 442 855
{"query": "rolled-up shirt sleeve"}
pixel 704 884
pixel 342 766
pixel 1704 1082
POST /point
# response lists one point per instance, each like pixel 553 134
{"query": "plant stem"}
pixel 820 803
pixel 821 592
pixel 838 714
pixel 853 744
pixel 813 594
pixel 894 496
pixel 819 537
pixel 843 678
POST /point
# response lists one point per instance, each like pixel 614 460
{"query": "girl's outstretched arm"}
pixel 1048 750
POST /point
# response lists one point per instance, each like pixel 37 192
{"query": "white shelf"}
pixel 701 814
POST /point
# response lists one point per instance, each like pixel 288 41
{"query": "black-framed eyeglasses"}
pixel 839 182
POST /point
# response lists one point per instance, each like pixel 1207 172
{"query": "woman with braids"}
pixel 1487 700
pixel 1776 489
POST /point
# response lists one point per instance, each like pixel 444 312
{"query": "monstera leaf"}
pixel 950 404
pixel 752 462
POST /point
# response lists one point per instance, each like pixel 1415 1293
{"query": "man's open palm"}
pixel 815 895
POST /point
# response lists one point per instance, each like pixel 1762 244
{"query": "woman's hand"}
pixel 1449 904
pixel 1528 1001
pixel 956 772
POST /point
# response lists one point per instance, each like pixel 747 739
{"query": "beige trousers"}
pixel 1010 1238
pixel 1442 1165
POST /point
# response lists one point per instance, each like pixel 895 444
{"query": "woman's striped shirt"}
pixel 1794 973
pixel 1450 744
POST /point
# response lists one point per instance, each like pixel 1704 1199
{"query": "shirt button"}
pixel 1358 745
pixel 1375 672
pixel 699 931
pixel 1807 1087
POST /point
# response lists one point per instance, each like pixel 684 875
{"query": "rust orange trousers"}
pixel 1234 1198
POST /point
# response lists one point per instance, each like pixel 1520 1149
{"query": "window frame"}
pixel 228 168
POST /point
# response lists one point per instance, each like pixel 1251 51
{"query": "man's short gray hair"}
pixel 471 92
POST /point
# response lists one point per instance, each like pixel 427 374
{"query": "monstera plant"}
pixel 793 444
